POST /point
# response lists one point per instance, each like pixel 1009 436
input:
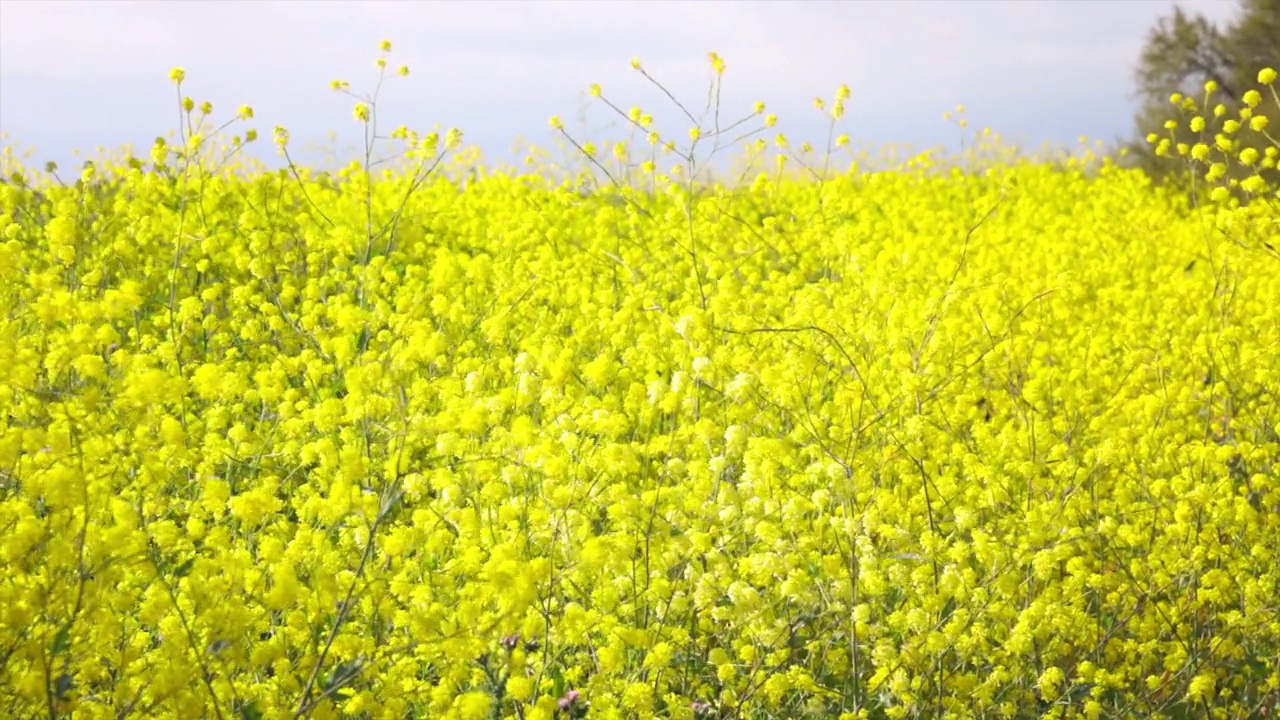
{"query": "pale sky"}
pixel 75 75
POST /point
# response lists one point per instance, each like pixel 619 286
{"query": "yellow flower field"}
pixel 932 443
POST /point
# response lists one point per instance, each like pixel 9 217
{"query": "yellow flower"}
pixel 473 706
pixel 1201 687
pixel 245 113
pixel 595 90
pixel 1266 76
pixel 361 112
pixel 1252 98
pixel 177 75
pixel 717 63
pixel 556 123
pixel 385 46
pixel 520 688
pixel 1050 683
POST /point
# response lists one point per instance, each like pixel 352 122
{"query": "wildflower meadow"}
pixel 973 436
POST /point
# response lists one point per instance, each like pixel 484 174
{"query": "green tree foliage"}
pixel 1182 53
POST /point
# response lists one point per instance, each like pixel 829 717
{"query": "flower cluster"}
pixel 924 443
pixel 1235 144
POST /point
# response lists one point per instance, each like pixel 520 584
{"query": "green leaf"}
pixel 63 685
pixel 247 711
pixel 558 679
pixel 62 641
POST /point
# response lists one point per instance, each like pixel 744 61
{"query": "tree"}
pixel 1182 53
